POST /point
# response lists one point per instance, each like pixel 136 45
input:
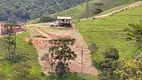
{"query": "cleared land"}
pixel 110 31
pixel 42 46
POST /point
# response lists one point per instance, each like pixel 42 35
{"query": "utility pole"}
pixel 52 62
pixel 82 63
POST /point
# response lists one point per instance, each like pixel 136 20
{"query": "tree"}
pixel 110 64
pixel 60 54
pixel 10 42
pixel 93 48
pixel 112 53
pixel 130 70
pixel 47 19
pixel 98 9
pixel 134 32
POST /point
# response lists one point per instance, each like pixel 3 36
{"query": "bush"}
pixel 47 19
pixel 111 53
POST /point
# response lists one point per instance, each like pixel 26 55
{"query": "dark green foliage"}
pixel 21 56
pixel 71 76
pixel 111 53
pixel 47 19
pixel 10 42
pixel 2 76
pixel 59 55
pixel 110 64
pixel 98 7
pixel 134 32
pixel 61 69
pixel 21 71
pixel 93 48
pixel 22 10
pixel 30 42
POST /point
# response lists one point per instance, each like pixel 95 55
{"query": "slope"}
pixel 31 9
pixel 81 11
pixel 109 31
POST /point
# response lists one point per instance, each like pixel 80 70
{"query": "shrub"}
pixel 47 19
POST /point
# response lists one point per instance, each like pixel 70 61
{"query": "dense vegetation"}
pixel 30 9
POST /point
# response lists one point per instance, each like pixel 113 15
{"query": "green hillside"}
pixel 22 10
pixel 109 31
pixel 80 11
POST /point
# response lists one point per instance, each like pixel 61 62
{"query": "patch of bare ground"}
pixel 41 43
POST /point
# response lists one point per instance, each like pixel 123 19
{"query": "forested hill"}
pixel 21 10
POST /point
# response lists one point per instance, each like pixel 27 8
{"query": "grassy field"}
pixel 109 32
pixel 22 46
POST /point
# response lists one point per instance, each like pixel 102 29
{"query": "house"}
pixel 63 21
pixel 15 29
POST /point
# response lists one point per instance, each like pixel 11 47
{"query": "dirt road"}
pixel 136 4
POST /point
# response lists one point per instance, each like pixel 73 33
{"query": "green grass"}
pixel 115 8
pixel 33 21
pixel 79 12
pixel 22 46
pixel 109 32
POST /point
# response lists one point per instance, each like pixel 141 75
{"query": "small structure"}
pixel 64 21
pixel 15 29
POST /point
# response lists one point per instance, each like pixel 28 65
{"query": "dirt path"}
pixel 136 4
pixel 42 46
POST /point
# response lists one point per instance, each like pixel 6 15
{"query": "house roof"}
pixel 61 17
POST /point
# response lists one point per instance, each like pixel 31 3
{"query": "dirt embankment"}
pixel 42 45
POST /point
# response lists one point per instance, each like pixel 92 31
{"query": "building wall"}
pixel 64 21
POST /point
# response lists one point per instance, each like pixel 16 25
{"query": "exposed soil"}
pixel 41 43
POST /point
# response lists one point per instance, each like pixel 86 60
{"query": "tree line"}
pixel 23 10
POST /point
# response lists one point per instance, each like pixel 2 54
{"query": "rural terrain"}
pixel 115 35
